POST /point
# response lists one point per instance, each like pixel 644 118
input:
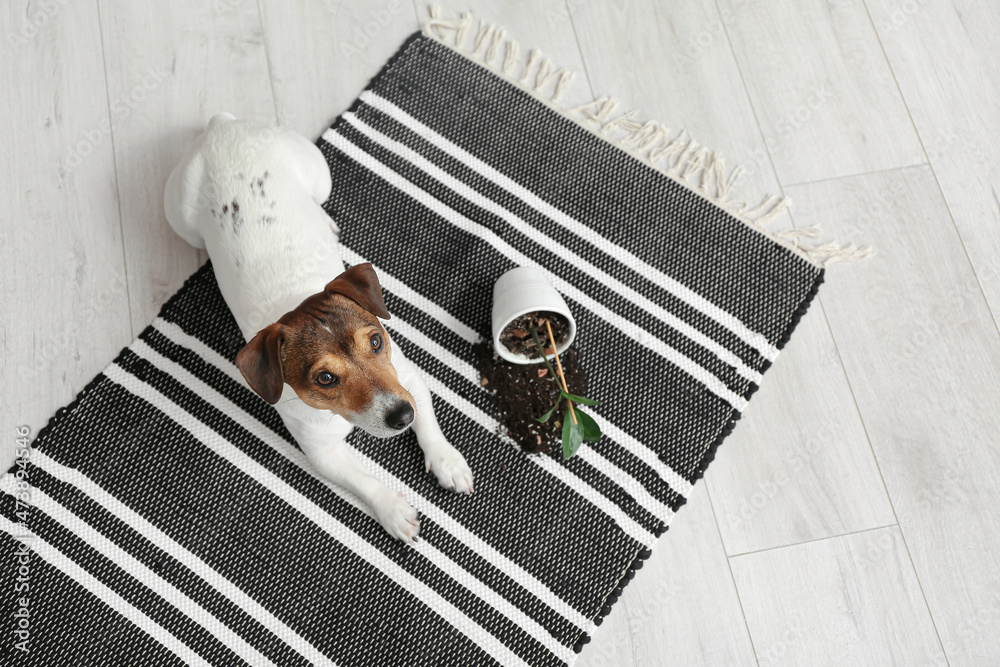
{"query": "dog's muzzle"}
pixel 400 416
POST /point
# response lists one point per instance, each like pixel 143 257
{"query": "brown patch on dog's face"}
pixel 340 360
pixel 335 355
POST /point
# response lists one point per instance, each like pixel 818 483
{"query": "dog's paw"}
pixel 450 468
pixel 396 516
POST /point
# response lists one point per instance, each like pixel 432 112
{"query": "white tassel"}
pixel 783 203
pixel 669 150
pixel 485 32
pixel 831 253
pixel 723 186
pixel 511 59
pixel 644 136
pixel 564 80
pixel 623 121
pixel 463 27
pixel 436 27
pixel 543 75
pixel 795 234
pixel 532 59
pixel 695 164
pixel 682 159
pixel 491 55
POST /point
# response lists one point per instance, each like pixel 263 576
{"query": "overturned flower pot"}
pixel 532 326
pixel 520 296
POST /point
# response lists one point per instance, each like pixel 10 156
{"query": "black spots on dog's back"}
pixel 235 217
pixel 258 184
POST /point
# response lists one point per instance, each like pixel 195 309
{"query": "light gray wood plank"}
pixel 801 432
pixel 946 58
pixel 923 357
pixel 323 54
pixel 171 67
pixel 681 608
pixel 798 466
pixel 821 88
pixel 850 600
pixel 64 312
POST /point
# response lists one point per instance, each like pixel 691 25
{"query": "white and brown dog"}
pixel 251 195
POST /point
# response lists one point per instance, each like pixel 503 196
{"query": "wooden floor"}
pixel 853 516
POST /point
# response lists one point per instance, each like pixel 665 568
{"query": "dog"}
pixel 252 196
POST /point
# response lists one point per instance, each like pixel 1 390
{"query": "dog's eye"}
pixel 376 342
pixel 327 379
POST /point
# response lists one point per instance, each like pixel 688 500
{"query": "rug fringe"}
pixel 672 152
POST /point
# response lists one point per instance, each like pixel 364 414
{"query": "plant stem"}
pixel 538 344
pixel 541 351
pixel 562 376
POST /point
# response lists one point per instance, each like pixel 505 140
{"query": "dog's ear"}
pixel 260 363
pixel 360 284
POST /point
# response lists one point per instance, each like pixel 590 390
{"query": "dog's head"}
pixel 334 353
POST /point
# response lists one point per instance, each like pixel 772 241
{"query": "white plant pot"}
pixel 523 290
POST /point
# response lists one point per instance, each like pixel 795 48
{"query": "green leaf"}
pixel 544 418
pixel 591 431
pixel 579 399
pixel 572 438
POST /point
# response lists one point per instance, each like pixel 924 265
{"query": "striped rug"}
pixel 167 517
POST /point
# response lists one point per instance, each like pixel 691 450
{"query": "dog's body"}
pixel 252 196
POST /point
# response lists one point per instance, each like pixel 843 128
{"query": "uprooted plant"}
pixel 579 427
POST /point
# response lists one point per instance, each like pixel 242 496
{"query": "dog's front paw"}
pixel 396 516
pixel 450 468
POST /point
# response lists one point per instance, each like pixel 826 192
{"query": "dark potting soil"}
pixel 523 392
pixel 516 336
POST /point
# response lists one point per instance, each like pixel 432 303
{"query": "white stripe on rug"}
pixel 721 352
pixel 677 358
pixel 639 449
pixel 322 519
pixel 756 340
pixel 67 566
pixel 526 580
pixel 196 565
pixel 434 555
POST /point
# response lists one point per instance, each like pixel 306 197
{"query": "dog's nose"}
pixel 400 416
